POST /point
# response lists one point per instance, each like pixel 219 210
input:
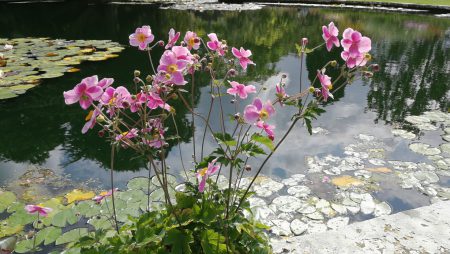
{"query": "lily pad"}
pixel 346 181
pixel 65 217
pixel 48 235
pixel 71 236
pixel 6 199
pixel 78 195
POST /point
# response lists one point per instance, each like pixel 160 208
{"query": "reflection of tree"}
pixel 413 79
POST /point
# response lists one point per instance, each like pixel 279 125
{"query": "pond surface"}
pixel 40 131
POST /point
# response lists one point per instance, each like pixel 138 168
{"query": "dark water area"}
pixel 413 51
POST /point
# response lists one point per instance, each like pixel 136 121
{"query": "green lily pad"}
pixel 64 217
pixel 25 246
pixel 6 94
pixel 87 208
pixel 48 235
pixel 7 230
pixel 71 236
pixel 171 180
pixel 6 199
pixel 100 222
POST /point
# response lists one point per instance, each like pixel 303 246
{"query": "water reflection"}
pixel 39 129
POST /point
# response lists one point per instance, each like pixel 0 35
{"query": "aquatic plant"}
pixel 198 217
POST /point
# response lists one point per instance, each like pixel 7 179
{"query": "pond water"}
pixel 413 51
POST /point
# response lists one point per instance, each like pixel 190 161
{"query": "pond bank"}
pixel 421 230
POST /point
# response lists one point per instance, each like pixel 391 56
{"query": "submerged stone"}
pixel 426 177
pixel 445 148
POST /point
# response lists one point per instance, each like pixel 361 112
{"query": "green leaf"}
pixel 251 149
pixel 6 199
pixel 213 242
pixel 25 246
pixel 184 201
pixel 263 140
pixel 179 241
pixel 226 139
pixel 72 236
pixel 308 125
pixel 64 217
pixel 48 235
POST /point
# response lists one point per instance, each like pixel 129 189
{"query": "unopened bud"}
pixel 248 168
pixel 136 80
pixel 233 101
pixel 126 104
pixel 304 42
pixel 312 89
pixel 232 72
pixel 196 40
pixel 367 56
pixel 333 63
pixel 101 133
pixel 237 116
pixel 149 78
pixel 368 74
pixel 284 76
pixel 137 73
pixel 100 119
pixel 375 67
pixel 161 43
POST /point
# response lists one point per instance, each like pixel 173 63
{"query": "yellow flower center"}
pixel 112 100
pixel 191 42
pixel 168 76
pixel 89 116
pixel 263 114
pixel 202 172
pixel 172 68
pixel 141 37
pixel 330 87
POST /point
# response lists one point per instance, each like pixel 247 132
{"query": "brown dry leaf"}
pixel 346 181
pixel 51 54
pixel 380 170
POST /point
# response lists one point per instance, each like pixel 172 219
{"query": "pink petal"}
pixel 347 33
pixel 236 52
pixel 85 103
pixel 250 89
pixel 232 91
pixel 258 103
pixel 245 53
pixel 201 186
pixel 365 45
pixel 178 79
pixel 251 114
pixel 94 92
pixel 71 97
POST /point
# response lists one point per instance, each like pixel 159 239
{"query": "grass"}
pixel 429 2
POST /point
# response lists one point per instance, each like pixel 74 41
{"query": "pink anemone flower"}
pixel 173 38
pixel 280 93
pixel 204 173
pixel 103 195
pixel 267 128
pixel 173 68
pixel 85 92
pixel 141 37
pixel 325 81
pixel 240 89
pixel 192 40
pixel 42 211
pixel 355 47
pixel 215 45
pixel 154 101
pixel 258 111
pixel 330 34
pixel 91 120
pixel 127 134
pixel 243 56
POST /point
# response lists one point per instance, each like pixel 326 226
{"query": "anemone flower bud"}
pixel 333 63
pixel 149 78
pixel 375 67
pixel 237 116
pixel 161 43
pixel 248 168
pixel 136 80
pixel 232 72
pixel 311 89
pixel 137 73
pixel 304 42
pixel 284 76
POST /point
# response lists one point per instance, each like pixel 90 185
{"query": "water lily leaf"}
pixel 100 222
pixel 171 180
pixel 380 170
pixel 78 195
pixel 71 236
pixel 346 181
pixel 7 230
pixel 25 246
pixel 6 94
pixel 140 183
pixel 87 208
pixel 6 199
pixel 48 235
pixel 21 217
pixel 64 217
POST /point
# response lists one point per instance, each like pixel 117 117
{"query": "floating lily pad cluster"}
pixel 77 207
pixel 33 59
